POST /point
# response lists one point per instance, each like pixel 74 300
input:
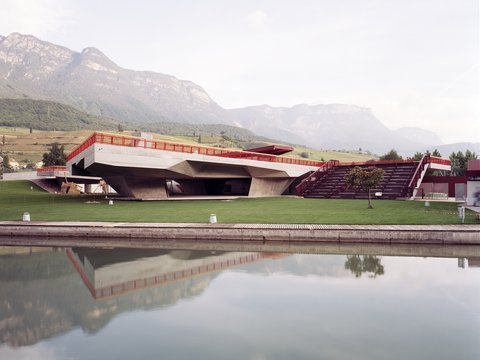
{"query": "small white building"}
pixel 473 183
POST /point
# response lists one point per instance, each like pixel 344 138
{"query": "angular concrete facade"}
pixel 144 171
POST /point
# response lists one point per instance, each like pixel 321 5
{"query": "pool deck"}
pixel 147 234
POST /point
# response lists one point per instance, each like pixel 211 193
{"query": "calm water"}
pixel 180 304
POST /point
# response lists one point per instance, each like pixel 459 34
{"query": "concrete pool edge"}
pixel 258 233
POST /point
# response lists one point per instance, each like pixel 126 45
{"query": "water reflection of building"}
pixel 473 261
pixel 42 294
pixel 109 273
pixel 469 262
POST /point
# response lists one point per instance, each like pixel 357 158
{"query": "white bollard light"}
pixel 461 214
pixel 110 202
pixel 26 216
pixel 213 218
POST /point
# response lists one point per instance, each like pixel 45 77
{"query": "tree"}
pixel 436 153
pixel 364 264
pixel 470 155
pixel 365 179
pixel 5 163
pixel 418 156
pixel 304 155
pixel 391 155
pixel 460 161
pixel 55 156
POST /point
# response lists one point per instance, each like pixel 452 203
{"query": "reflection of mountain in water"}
pixel 42 294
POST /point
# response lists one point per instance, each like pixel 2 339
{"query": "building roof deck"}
pixel 131 141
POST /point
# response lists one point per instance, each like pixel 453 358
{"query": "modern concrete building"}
pixel 144 168
pixel 152 169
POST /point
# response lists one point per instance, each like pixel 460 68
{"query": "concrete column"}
pixel 138 187
pixel 268 186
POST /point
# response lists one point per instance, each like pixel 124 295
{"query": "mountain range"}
pixel 88 80
pixel 333 126
pixel 93 83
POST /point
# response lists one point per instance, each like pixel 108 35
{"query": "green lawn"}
pixel 16 197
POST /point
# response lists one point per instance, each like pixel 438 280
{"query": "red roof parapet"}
pixel 130 141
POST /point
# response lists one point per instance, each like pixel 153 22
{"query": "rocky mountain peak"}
pixel 16 42
pixel 95 60
pixel 94 54
pixel 92 82
pixel 32 57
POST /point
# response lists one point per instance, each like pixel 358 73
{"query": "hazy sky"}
pixel 414 62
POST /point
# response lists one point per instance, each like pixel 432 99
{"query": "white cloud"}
pixel 257 20
pixel 36 17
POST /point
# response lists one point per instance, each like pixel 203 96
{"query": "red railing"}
pixel 377 162
pixel 416 175
pixel 439 160
pixel 51 169
pixel 426 159
pixel 316 176
pixel 130 141
pixel 430 159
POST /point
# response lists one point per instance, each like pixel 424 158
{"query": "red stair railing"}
pixel 416 175
pixel 315 177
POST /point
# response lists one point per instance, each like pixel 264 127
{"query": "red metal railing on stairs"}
pixel 418 172
pixel 315 177
pixel 319 176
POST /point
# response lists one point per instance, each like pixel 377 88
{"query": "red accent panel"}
pixel 450 180
pixel 272 149
pixel 51 169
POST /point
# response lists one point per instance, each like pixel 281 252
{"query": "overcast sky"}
pixel 413 62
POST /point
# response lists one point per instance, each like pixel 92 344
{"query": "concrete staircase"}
pixel 395 184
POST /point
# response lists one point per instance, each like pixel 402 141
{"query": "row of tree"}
pixel 393 155
pixel 459 159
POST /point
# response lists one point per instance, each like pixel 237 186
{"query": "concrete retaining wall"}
pixel 257 233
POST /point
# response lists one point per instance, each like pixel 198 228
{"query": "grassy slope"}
pixel 23 146
pixel 16 198
pixel 48 115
